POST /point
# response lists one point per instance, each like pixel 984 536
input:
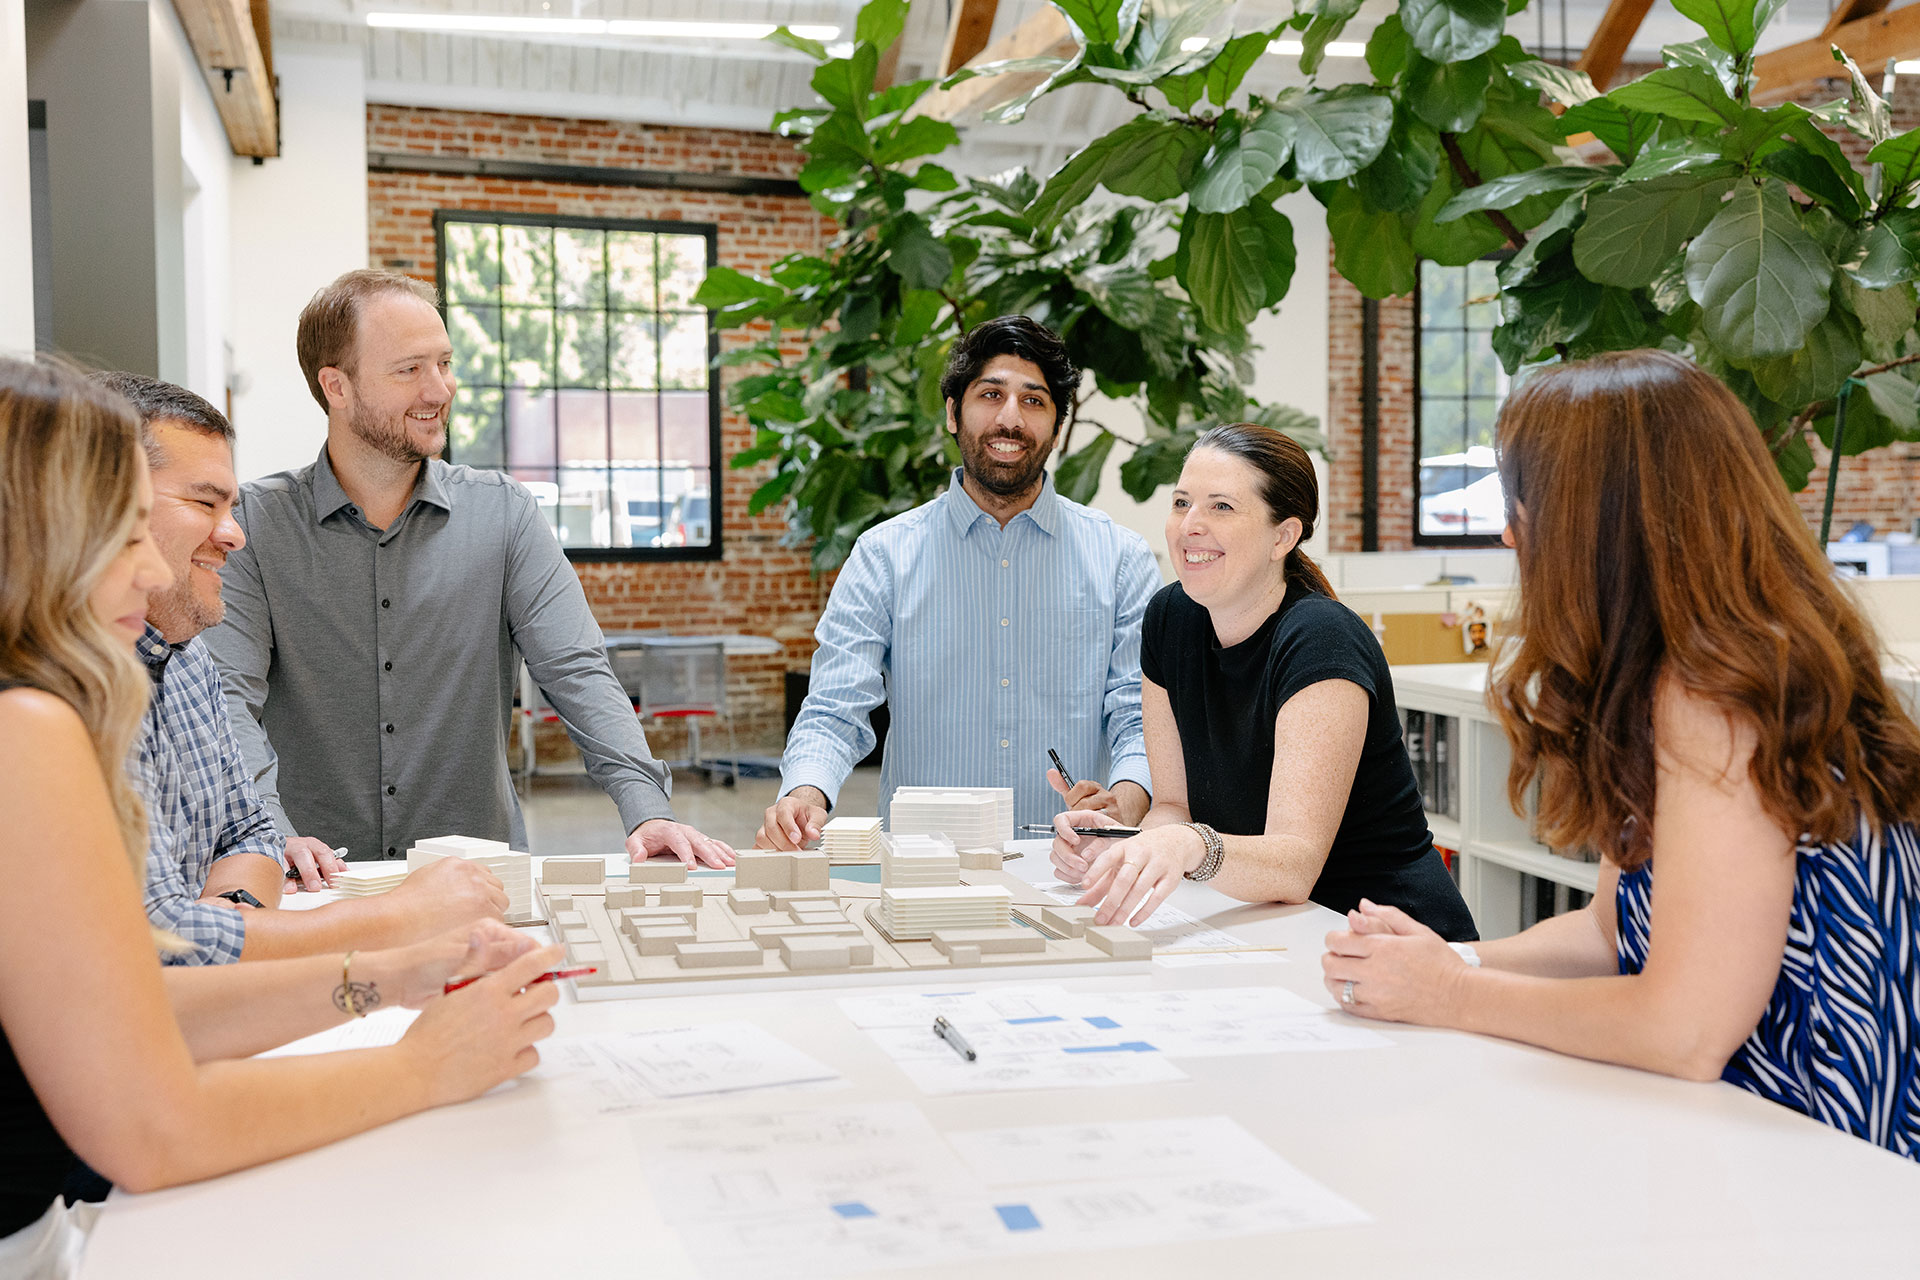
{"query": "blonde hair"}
pixel 69 478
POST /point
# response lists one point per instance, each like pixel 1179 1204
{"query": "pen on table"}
pixel 1064 775
pixel 293 873
pixel 945 1030
pixel 548 976
pixel 1104 833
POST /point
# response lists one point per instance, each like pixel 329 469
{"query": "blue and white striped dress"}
pixel 1840 1039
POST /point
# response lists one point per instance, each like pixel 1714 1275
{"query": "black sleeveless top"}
pixel 34 1159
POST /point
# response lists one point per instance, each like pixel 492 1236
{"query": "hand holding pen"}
pixel 1079 836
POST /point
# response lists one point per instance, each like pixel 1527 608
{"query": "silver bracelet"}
pixel 1216 852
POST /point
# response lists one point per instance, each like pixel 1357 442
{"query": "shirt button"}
pixel 386 604
pixel 1004 682
pixel 389 790
pixel 1005 563
pixel 389 728
pixel 1003 622
pixel 389 666
pixel 392 852
pixel 1003 742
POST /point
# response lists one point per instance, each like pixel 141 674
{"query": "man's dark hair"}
pixel 1013 336
pixel 157 401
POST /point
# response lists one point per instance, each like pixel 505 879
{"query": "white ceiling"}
pixel 741 84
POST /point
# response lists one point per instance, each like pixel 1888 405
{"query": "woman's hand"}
pixel 421 972
pixel 1129 879
pixel 482 1034
pixel 1399 969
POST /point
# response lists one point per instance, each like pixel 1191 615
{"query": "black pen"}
pixel 1064 775
pixel 944 1029
pixel 1103 833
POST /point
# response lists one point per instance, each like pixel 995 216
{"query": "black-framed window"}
pixel 1459 387
pixel 586 373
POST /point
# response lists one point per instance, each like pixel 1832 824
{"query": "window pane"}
pixel 683 265
pixel 475 434
pixel 630 270
pixel 583 348
pixel 530 430
pixel 527 342
pixel 1484 374
pixel 1440 297
pixel 546 493
pixel 640 508
pixel 690 518
pixel 636 427
pixel 475 332
pixel 1443 368
pixel 687 419
pixel 1461 387
pixel 683 350
pixel 583 428
pixel 636 353
pixel 473 261
pixel 1443 427
pixel 527 264
pixel 585 511
pixel 580 278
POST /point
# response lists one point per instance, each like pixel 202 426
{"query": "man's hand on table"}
pixel 794 819
pixel 314 863
pixel 664 835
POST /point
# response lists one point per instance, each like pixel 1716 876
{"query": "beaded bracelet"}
pixel 1216 852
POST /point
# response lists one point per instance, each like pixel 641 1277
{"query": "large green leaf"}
pixel 1245 158
pixel 1887 253
pixel 1680 93
pixel 1102 21
pixel 846 82
pixel 1388 49
pixel 1885 315
pixel 1633 230
pixel 1624 131
pixel 1620 323
pixel 1505 192
pixel 725 287
pixel 812 48
pixel 1728 23
pixel 1456 243
pixel 880 22
pixel 1899 158
pixel 1795 462
pixel 1401 177
pixel 1817 368
pixel 1150 156
pixel 1540 317
pixel 920 136
pixel 1125 293
pixel 1562 85
pixel 1155 463
pixel 1077 477
pixel 1544 243
pixel 1816 178
pixel 1330 19
pixel 1454 30
pixel 1761 281
pixel 1230 66
pixel 1235 264
pixel 1158 46
pixel 1339 132
pixel 917 256
pixel 1662 157
pixel 1370 245
pixel 1448 95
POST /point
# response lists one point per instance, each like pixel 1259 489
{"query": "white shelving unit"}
pixel 1494 846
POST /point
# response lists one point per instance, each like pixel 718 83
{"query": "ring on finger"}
pixel 1346 992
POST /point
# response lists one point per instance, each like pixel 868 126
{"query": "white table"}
pixel 1475 1157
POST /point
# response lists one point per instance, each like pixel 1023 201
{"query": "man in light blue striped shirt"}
pixel 996 621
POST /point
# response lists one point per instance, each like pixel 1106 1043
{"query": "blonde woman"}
pixel 106 1057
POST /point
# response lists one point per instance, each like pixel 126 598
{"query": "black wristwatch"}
pixel 240 897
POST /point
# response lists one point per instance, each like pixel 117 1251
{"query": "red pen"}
pixel 548 976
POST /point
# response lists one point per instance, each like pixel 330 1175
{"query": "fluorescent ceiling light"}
pixel 1906 68
pixel 502 24
pixel 1288 48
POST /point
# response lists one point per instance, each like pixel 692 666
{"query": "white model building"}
pixel 850 840
pixel 972 817
pixel 919 862
pixel 514 870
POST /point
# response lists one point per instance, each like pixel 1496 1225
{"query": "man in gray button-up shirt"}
pixel 374 613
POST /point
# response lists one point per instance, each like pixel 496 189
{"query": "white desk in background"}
pixel 1472 1157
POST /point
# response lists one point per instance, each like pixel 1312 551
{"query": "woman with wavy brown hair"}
pixel 1696 696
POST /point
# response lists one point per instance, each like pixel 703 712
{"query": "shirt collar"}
pixel 965 512
pixel 329 497
pixel 155 651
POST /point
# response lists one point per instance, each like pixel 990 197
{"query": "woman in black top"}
pixel 1269 717
pixel 143 1074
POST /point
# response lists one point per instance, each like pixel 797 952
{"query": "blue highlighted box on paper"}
pixel 1025 1022
pixel 1017 1217
pixel 854 1209
pixel 1105 1024
pixel 1125 1046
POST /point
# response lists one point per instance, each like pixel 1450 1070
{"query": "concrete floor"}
pixel 567 815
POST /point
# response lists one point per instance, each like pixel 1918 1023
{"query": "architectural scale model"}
pixel 515 870
pixel 782 920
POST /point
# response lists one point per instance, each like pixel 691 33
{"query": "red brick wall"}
pixel 758 586
pixel 1881 487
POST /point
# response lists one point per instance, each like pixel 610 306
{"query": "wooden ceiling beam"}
pixel 1848 10
pixel 1604 53
pixel 967 33
pixel 227 42
pixel 1045 33
pixel 1870 41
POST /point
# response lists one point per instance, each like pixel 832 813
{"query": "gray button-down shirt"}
pixel 370 673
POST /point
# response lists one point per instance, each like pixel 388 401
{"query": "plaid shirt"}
pixel 201 805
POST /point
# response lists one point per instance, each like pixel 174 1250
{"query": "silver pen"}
pixel 945 1030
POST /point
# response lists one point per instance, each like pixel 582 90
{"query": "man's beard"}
pixel 386 437
pixel 1004 479
pixel 179 613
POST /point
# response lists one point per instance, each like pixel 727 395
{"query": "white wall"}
pixel 205 157
pixel 297 222
pixel 16 216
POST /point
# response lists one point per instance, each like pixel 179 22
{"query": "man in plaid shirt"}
pixel 213 849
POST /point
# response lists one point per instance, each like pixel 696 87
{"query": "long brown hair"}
pixel 69 475
pixel 1656 540
pixel 1288 486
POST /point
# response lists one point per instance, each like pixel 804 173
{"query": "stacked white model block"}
pixel 514 870
pixel 850 840
pixel 921 893
pixel 365 879
pixel 971 817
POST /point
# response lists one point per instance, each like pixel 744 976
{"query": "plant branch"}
pixel 959 312
pixel 1469 178
pixel 1804 419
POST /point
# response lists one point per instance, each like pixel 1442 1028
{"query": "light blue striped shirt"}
pixel 988 645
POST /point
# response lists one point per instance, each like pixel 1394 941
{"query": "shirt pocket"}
pixel 1069 665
